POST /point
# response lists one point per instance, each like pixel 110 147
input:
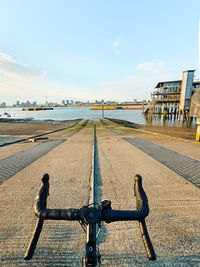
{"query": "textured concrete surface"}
pixel 189 149
pixel 11 165
pixel 186 167
pixel 61 243
pixel 173 222
pixel 9 151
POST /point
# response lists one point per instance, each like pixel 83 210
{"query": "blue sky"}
pixel 89 49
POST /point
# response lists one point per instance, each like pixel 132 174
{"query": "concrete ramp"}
pixel 11 165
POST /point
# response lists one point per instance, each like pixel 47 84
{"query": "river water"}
pixel 70 113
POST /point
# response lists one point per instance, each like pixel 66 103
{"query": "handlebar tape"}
pixel 43 193
pixel 147 241
pixel 34 239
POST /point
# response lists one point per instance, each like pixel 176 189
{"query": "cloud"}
pixel 134 86
pixel 12 90
pixel 19 81
pixel 152 66
pixel 116 45
pixel 17 70
pixel 126 89
pixel 117 52
pixel 116 42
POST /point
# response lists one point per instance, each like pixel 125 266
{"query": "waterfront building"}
pixel 168 91
pixel 171 92
pixel 174 97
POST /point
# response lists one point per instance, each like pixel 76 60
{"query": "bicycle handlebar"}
pixel 106 214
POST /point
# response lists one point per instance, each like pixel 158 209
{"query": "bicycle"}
pixel 90 216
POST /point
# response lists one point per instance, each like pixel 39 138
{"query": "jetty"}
pixel 170 169
pixel 116 108
pixel 37 108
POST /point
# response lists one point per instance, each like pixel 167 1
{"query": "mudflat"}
pixel 17 128
pixel 188 133
pixel 31 128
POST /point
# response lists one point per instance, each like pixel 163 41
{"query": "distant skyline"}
pixel 88 49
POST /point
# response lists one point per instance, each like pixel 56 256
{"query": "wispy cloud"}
pixel 116 45
pixel 11 68
pixel 128 88
pixel 134 86
pixel 21 81
pixel 152 66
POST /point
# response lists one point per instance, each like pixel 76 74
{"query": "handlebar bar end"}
pixel 45 178
pixel 138 178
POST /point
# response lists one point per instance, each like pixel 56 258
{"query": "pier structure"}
pixel 172 99
pixel 166 98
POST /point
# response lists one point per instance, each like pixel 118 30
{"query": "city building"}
pixel 3 105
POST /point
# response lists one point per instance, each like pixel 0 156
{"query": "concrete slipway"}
pixel 173 222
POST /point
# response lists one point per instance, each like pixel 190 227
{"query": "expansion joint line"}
pixel 92 198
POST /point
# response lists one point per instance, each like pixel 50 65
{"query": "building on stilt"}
pixel 174 97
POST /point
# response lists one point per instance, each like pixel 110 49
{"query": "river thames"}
pixel 71 113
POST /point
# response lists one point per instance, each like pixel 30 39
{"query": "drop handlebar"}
pixel 91 216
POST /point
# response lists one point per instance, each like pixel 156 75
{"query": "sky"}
pixel 91 49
